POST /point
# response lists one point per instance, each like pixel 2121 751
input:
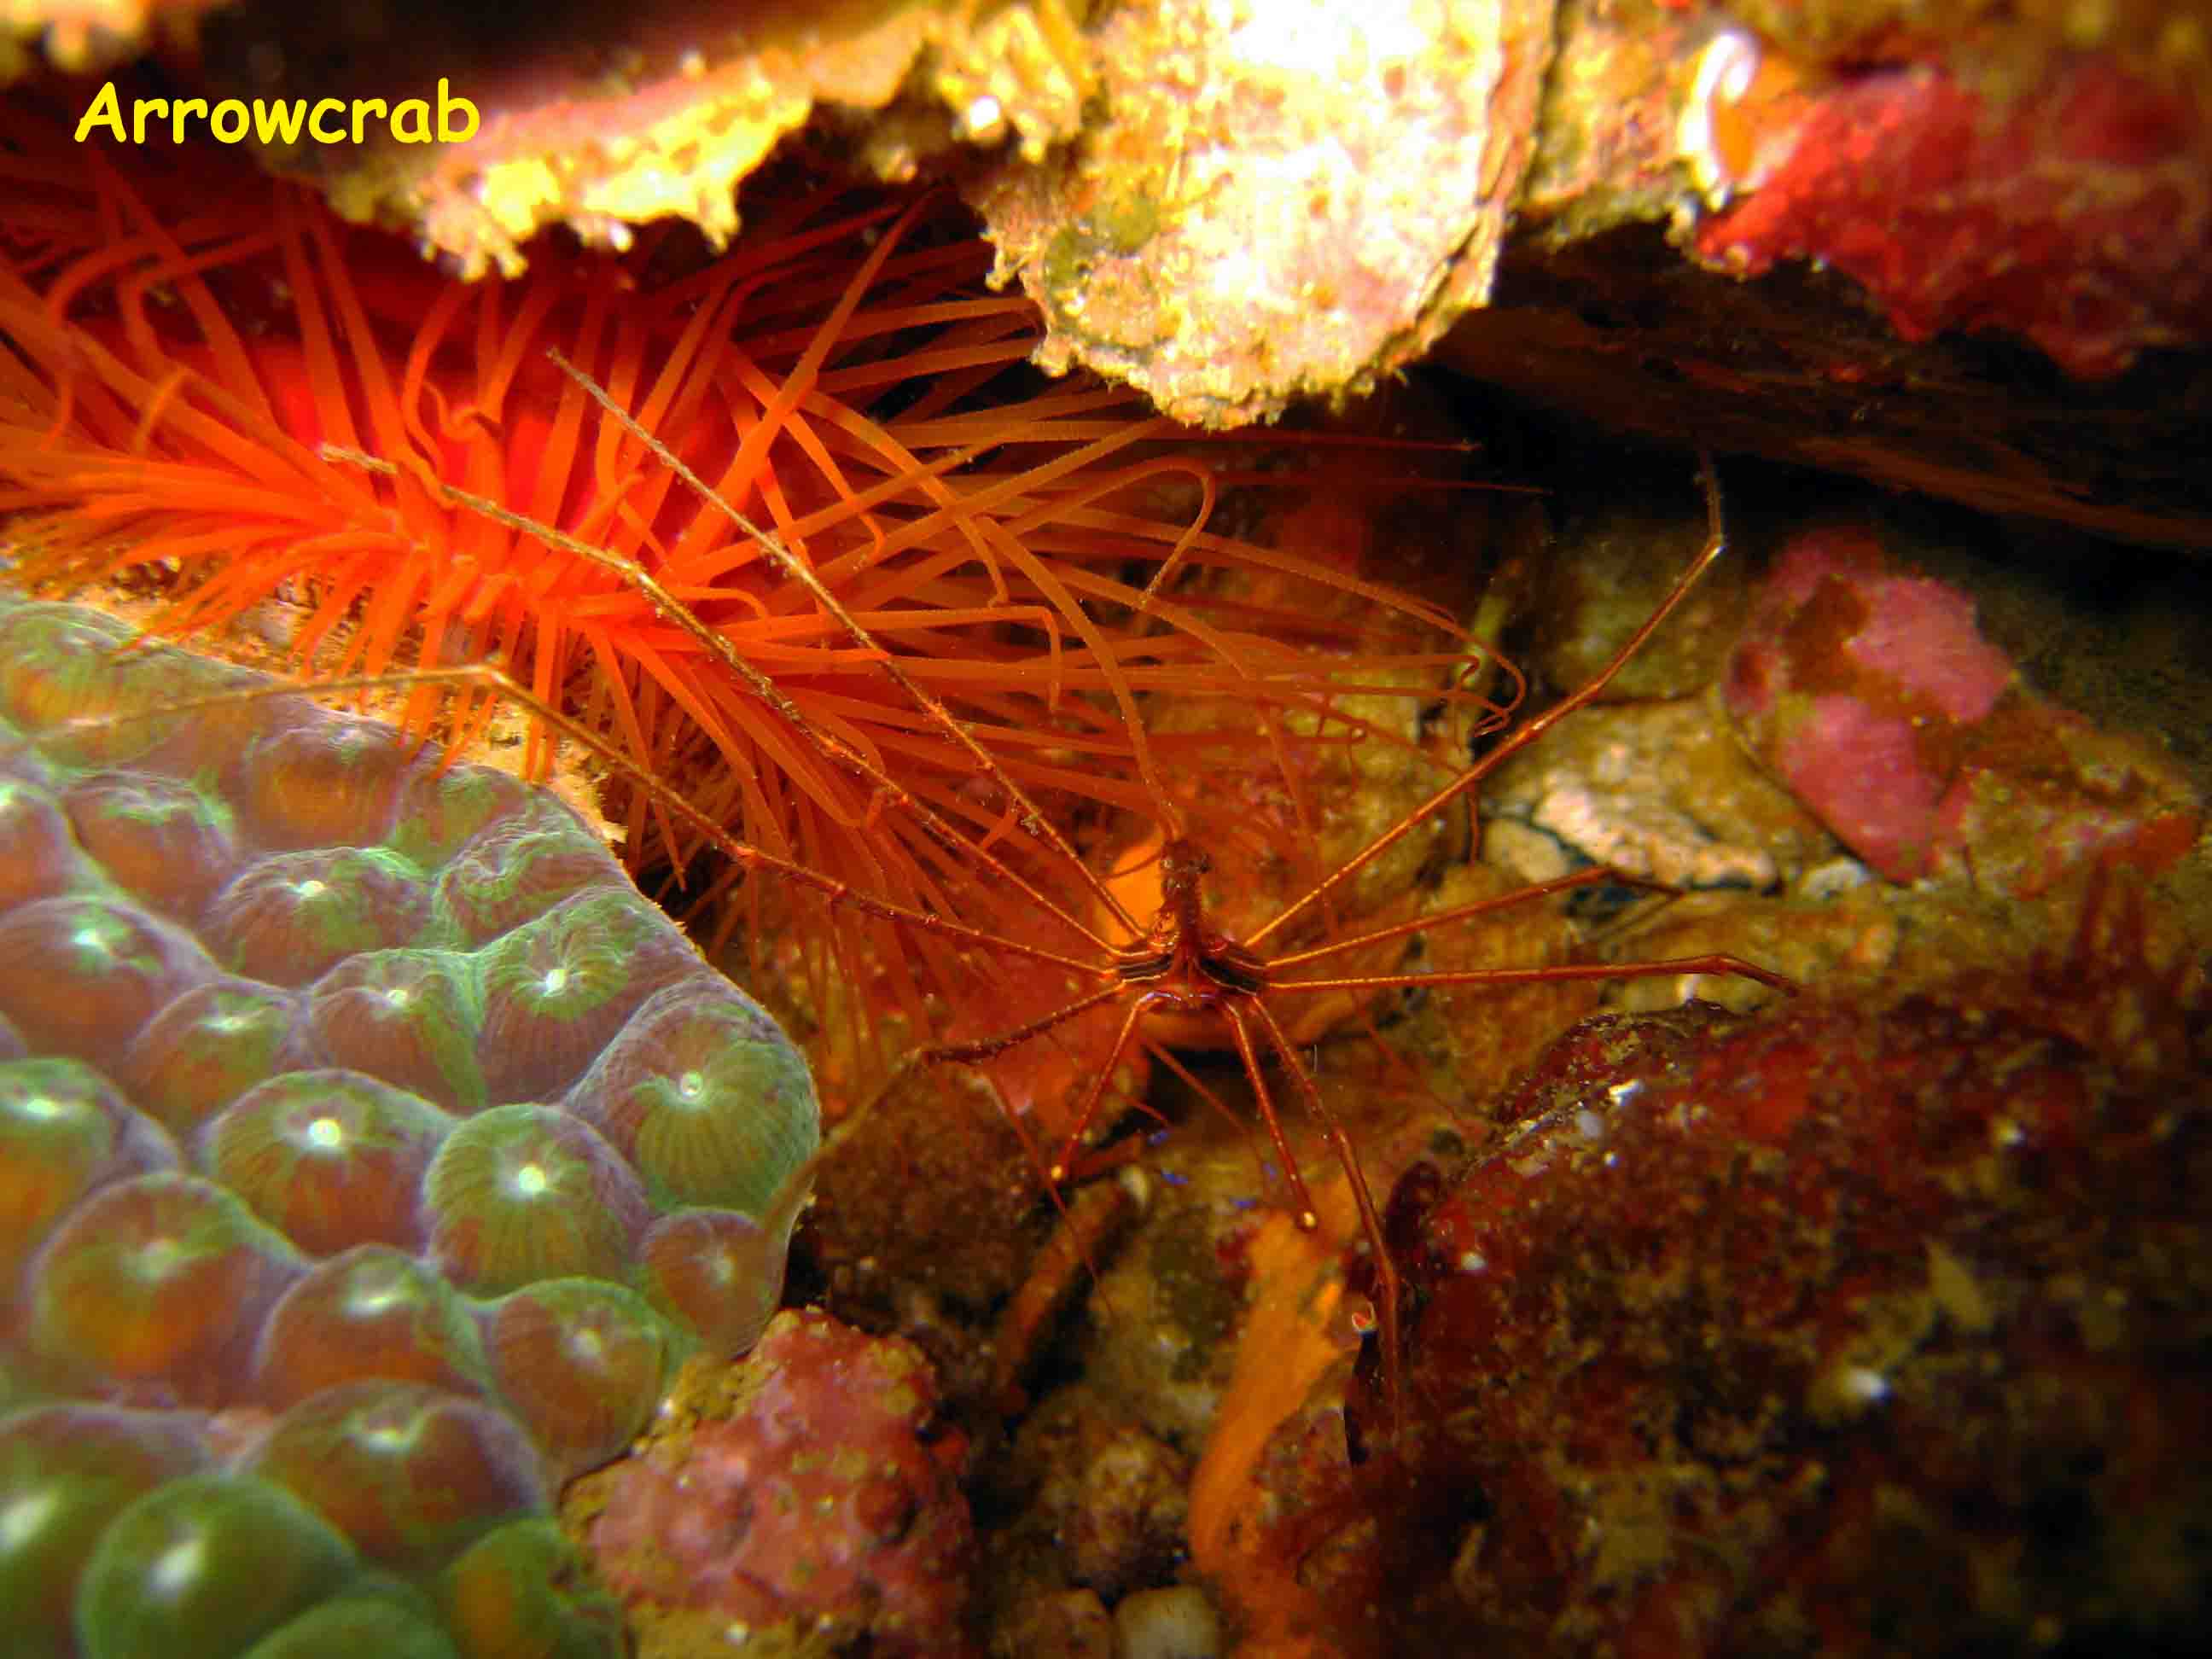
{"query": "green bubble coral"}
pixel 583 1362
pixel 523 1192
pixel 294 1139
pixel 203 1567
pixel 330 1159
pixel 706 1099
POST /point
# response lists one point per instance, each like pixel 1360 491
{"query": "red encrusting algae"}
pixel 2071 211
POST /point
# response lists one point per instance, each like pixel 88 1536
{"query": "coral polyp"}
pixel 208 1048
pixel 332 1159
pixel 522 1589
pixel 660 1093
pixel 66 1471
pixel 373 1312
pixel 705 1268
pixel 383 1620
pixel 66 1129
pixel 57 665
pixel 557 990
pixel 410 1018
pixel 582 1362
pixel 321 1271
pixel 167 844
pixel 156 1282
pixel 517 870
pixel 203 1567
pixel 521 1193
pixel 80 972
pixel 411 1475
pixel 446 810
pixel 333 782
pixel 38 853
pixel 293 915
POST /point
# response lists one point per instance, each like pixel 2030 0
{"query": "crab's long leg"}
pixel 1598 876
pixel 1371 1220
pixel 749 674
pixel 1572 970
pixel 1528 731
pixel 742 852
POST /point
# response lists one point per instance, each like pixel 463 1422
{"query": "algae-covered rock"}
pixel 1291 200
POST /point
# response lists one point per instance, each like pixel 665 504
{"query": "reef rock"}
pixel 1850 1327
pixel 804 1490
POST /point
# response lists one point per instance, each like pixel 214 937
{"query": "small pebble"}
pixel 1168 1623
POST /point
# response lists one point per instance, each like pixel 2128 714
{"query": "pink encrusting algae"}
pixel 356 1191
pixel 821 1422
pixel 1871 693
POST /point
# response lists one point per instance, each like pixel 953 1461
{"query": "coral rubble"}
pixel 2074 213
pixel 1836 1326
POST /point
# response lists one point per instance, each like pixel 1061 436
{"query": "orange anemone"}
pixel 206 372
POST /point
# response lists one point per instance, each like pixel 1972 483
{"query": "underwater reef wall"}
pixel 1955 248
